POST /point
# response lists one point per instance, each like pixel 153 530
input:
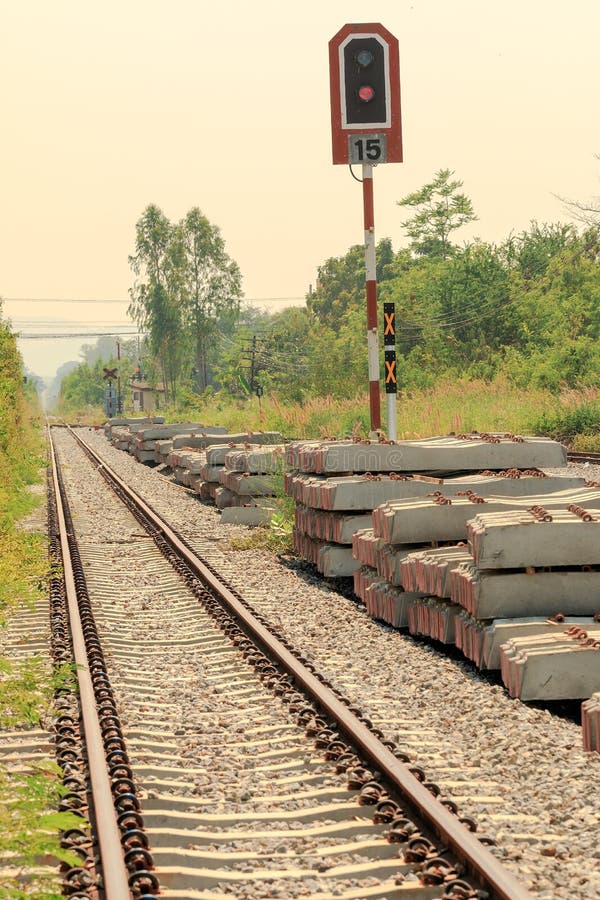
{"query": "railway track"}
pixel 576 456
pixel 232 757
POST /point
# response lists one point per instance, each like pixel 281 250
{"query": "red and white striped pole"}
pixel 371 285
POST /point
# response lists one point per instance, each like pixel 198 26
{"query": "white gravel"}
pixel 519 770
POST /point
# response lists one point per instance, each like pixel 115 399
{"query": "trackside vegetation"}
pixel 488 335
pixel 29 797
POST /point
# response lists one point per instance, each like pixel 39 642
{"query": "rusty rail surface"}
pixel 583 456
pixel 115 875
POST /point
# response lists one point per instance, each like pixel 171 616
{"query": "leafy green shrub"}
pixel 565 424
pixel 28 828
pixel 587 443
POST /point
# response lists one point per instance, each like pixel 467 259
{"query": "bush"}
pixel 587 443
pixel 567 424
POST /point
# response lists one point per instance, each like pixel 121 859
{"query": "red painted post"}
pixel 371 288
pixel 366 128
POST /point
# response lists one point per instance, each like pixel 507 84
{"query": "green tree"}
pixel 559 315
pixel 281 358
pixel 155 297
pixel 473 291
pixel 83 386
pixel 211 287
pixel 341 282
pixel 419 311
pixel 439 210
pixel 337 358
pixel 530 252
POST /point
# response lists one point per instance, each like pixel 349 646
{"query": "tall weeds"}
pixel 452 405
pixel 29 797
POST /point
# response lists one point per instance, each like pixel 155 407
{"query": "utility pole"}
pixel 119 403
pixel 252 363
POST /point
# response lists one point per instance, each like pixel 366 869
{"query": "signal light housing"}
pixel 365 95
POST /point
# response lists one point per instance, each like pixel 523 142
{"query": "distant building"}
pixel 145 397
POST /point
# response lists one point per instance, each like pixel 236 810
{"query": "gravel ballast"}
pixel 526 780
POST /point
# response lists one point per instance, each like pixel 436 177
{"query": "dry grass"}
pixel 458 406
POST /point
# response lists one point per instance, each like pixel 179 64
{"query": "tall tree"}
pixel 211 286
pixel 341 282
pixel 439 210
pixel 530 251
pixel 155 296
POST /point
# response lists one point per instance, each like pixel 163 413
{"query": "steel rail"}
pixel 114 872
pixel 479 862
pixel 583 456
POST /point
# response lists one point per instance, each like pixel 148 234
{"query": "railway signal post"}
pixel 110 398
pixel 366 129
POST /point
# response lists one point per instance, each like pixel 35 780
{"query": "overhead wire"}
pixel 283 362
pixel 471 312
pixel 113 300
pixel 442 321
pixel 80 334
pixel 281 357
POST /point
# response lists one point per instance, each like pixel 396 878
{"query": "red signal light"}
pixel 366 93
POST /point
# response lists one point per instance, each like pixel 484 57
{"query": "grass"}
pixel 277 534
pixel 29 825
pixel 575 421
pixel 23 569
pixel 29 797
pixel 586 443
pixel 572 416
pixel 453 405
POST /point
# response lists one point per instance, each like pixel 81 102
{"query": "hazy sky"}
pixel 106 107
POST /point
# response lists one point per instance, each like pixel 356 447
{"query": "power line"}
pixel 106 300
pixel 57 300
pixel 470 312
pixel 80 334
pixel 78 324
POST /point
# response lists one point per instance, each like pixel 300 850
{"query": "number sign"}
pixel 364 148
